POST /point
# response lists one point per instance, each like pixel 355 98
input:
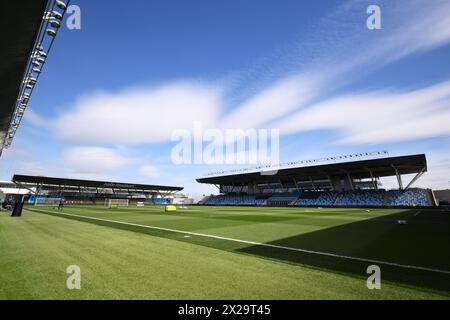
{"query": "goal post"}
pixel 114 203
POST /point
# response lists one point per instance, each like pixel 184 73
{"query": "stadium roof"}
pixel 361 169
pixel 22 179
pixel 21 21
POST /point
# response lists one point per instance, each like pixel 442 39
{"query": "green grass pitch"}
pixel 224 253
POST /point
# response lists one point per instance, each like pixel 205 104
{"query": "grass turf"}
pixel 122 261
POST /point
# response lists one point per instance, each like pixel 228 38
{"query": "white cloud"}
pixel 89 160
pixel 150 115
pixel 422 25
pixel 279 99
pixel 34 119
pixel 339 57
pixel 149 171
pixel 138 116
pixel 378 116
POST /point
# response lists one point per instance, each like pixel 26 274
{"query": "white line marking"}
pixel 416 214
pixel 265 244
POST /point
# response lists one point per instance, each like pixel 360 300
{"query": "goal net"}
pixel 116 203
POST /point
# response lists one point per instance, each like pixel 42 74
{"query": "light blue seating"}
pixel 282 198
pixel 412 197
pixel 317 199
pixel 370 198
pixel 361 198
pixel 232 200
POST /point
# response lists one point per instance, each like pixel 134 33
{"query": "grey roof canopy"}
pixel 23 179
pixel 20 22
pixel 362 169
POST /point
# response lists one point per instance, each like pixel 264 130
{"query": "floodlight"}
pixel 55 23
pixel 56 14
pixel 51 32
pixel 36 70
pixel 37 64
pixel 42 53
pixel 41 60
pixel 61 5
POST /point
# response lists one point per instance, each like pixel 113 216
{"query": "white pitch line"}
pixel 264 244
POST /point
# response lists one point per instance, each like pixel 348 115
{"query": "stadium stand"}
pixel 88 192
pixel 282 199
pixel 232 200
pixel 361 198
pixel 317 199
pixel 412 197
pixel 345 181
pixel 369 198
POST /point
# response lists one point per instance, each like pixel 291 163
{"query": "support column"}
pixel 350 181
pixel 399 178
pixel 375 185
pixel 330 182
pixel 312 183
pixel 296 185
pixel 416 177
pixel 281 184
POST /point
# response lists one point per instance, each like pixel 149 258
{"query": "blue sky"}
pixel 111 93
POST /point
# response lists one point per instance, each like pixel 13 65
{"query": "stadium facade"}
pixel 345 181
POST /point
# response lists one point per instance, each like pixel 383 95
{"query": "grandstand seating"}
pixel 361 198
pixel 370 198
pixel 317 199
pixel 232 200
pixel 412 197
pixel 281 199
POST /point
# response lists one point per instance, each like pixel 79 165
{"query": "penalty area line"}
pixel 327 254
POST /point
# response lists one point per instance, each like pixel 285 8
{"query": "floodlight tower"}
pixel 48 29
